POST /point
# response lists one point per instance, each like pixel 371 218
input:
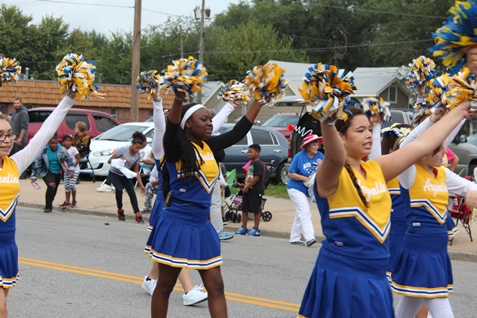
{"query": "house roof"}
pixel 47 93
pixel 372 81
pixel 210 90
pixel 294 73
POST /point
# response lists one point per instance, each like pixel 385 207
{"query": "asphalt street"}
pixel 91 266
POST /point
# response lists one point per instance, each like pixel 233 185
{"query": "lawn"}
pixel 277 190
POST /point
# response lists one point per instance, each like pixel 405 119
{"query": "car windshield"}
pixel 281 121
pixel 472 139
pixel 121 133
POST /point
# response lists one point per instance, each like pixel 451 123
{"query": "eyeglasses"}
pixel 10 136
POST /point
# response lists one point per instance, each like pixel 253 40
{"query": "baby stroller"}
pixel 234 206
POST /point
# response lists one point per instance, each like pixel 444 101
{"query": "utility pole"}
pixel 181 44
pixel 201 44
pixel 136 56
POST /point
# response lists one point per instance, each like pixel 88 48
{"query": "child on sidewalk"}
pixel 151 189
pixel 252 192
pixel 70 182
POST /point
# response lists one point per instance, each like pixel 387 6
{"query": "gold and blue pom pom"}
pixel 9 70
pixel 456 34
pixel 77 75
pixel 184 75
pixel 233 90
pixel 376 107
pixel 395 129
pixel 325 88
pixel 463 88
pixel 421 71
pixel 266 82
pixel 148 82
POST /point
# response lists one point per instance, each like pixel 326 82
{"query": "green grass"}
pixel 277 190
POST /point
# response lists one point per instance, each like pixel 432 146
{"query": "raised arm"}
pixel 26 156
pixel 221 116
pixel 395 163
pixel 330 168
pixel 159 126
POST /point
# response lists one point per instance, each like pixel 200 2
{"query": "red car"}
pixel 283 123
pixel 96 122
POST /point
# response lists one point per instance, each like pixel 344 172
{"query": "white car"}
pixel 104 145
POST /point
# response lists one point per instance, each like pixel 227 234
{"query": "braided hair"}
pixel 342 126
pixel 190 160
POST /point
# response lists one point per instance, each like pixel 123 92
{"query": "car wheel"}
pixel 282 174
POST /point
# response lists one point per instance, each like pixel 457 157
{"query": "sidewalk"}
pixel 93 202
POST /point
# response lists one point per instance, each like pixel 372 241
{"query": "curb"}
pixel 457 256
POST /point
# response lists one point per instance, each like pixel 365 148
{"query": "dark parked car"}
pixel 274 151
pixel 96 122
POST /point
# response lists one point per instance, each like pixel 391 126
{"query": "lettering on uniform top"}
pixel 442 187
pixel 416 223
pixel 207 156
pixel 182 190
pixel 10 178
pixel 339 243
pixel 379 187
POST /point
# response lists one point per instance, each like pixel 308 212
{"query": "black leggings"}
pixel 120 183
pixel 50 194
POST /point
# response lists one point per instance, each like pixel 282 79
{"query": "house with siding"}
pixel 115 101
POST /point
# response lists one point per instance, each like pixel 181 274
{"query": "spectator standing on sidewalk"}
pixel 10 170
pixel 355 208
pixel 81 139
pixel 20 121
pixel 51 164
pixel 70 183
pixel 252 191
pixel 302 169
pixel 131 158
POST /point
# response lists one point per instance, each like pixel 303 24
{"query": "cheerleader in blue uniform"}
pixel 349 278
pixel 183 236
pixel 10 170
pixel 422 272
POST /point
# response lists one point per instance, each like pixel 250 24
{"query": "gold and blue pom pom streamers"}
pixel 233 90
pixel 266 82
pixel 463 89
pixel 398 131
pixel 421 71
pixel 148 82
pixel 325 88
pixel 456 34
pixel 376 107
pixel 77 75
pixel 184 75
pixel 9 70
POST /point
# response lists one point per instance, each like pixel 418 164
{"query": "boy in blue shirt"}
pixel 252 192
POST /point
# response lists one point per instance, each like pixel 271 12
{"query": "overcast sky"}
pixel 106 16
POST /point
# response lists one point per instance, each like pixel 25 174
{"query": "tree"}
pixel 405 28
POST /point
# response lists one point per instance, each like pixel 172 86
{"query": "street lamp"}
pixel 200 14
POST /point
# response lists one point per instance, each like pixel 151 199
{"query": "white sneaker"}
pixel 104 188
pixel 194 296
pixel 149 285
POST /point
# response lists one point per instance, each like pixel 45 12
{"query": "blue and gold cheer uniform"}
pixel 349 277
pixel 424 269
pixel 182 235
pixel 10 192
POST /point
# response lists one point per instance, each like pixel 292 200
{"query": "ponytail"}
pixel 356 185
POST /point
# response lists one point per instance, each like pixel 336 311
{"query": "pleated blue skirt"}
pixel 396 237
pixel 9 275
pixel 156 209
pixel 183 237
pixel 344 287
pixel 423 268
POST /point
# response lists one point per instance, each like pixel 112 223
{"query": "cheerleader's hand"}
pixel 437 114
pixel 471 198
pixel 472 59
